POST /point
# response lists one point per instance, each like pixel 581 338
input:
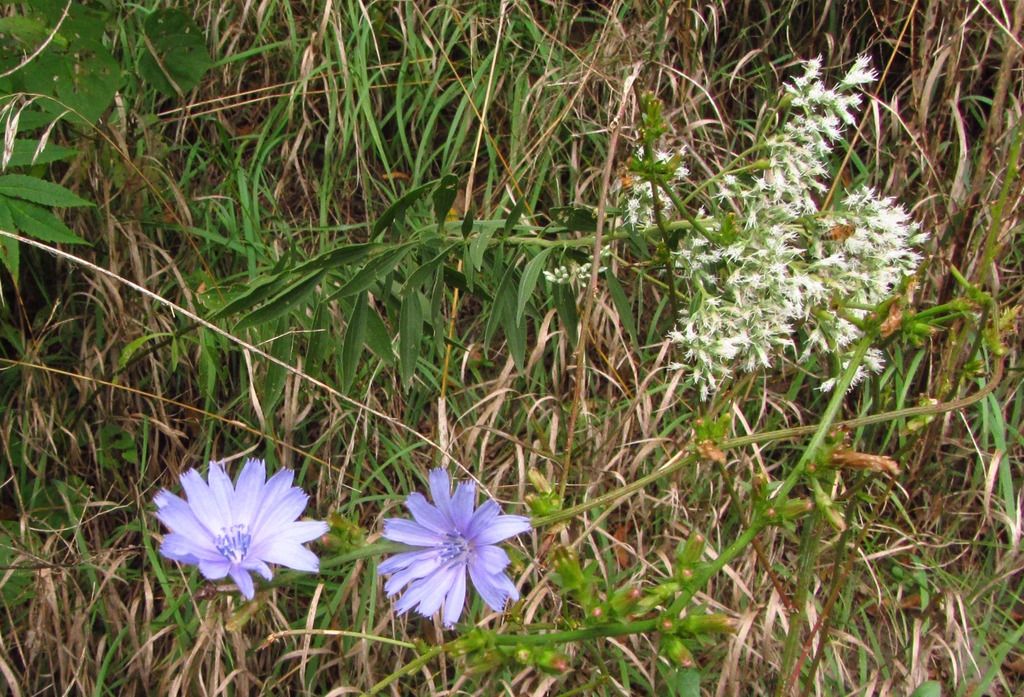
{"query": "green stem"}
pixel 706 571
pixel 828 417
pixel 365 552
pixel 805 575
pixel 570 635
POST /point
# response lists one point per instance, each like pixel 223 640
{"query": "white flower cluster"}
pixel 770 262
pixel 566 275
pixel 640 204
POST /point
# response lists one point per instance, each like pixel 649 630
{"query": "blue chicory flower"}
pixel 456 539
pixel 233 530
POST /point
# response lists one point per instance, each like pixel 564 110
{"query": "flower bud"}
pixel 624 600
pixel 795 508
pixel 472 641
pixel 675 650
pixel 567 566
pixel 658 595
pixel 551 661
pixel 714 623
pixel 539 481
pixel 691 551
pixel 543 504
pixel 343 535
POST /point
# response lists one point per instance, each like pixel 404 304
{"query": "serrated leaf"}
pixel 75 68
pixel 352 346
pixel 39 191
pixel 176 58
pixel 10 252
pixel 292 295
pixel 35 221
pixel 410 333
pixel 529 281
pixel 24 152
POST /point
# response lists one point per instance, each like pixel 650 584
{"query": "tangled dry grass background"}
pixel 314 114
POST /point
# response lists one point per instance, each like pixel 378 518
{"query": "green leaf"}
pixel 375 269
pixel 444 197
pixel 176 58
pixel 575 218
pixel 426 270
pixel 92 79
pixel 282 349
pixel 39 191
pixel 504 315
pixel 622 306
pixel 529 281
pixel 396 211
pixel 319 335
pixel 75 68
pixel 284 301
pixel 26 31
pixel 352 347
pixel 209 362
pixel 35 221
pixel 378 339
pixel 254 293
pixel 514 215
pixel 467 220
pixel 686 683
pixel 24 152
pixel 335 258
pixel 10 252
pixel 479 245
pixel 410 332
pixel 930 688
pixel 565 304
pixel 133 346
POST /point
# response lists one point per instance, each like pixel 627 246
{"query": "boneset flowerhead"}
pixel 232 530
pixel 770 269
pixel 455 540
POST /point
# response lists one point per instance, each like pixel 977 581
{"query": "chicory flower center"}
pixel 454 548
pixel 233 542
